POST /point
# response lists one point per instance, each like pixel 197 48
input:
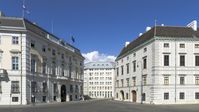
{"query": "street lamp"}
pixel 141 84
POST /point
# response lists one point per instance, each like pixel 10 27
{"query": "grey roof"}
pixel 160 31
pixel 15 24
pixel 99 65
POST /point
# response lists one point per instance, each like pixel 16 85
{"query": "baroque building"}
pixel 161 66
pixel 36 66
pixel 99 79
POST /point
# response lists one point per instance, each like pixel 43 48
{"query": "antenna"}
pixel 52 26
pixel 155 27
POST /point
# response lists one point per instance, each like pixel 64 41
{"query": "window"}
pixel 71 88
pixel 55 88
pixel 122 70
pixel 144 80
pixel 134 54
pixel 117 71
pixel 127 82
pixel 44 48
pixel 32 44
pixel 127 96
pixel 181 80
pixel 134 66
pixel 15 87
pixel 53 52
pixel 44 98
pixel 0 87
pixel 33 87
pixel 197 80
pixel 15 99
pixel 197 95
pixel 122 82
pixel 182 45
pixel 134 81
pixel 33 66
pixel 15 40
pixel 44 68
pixel 166 60
pixel 182 60
pixel 117 83
pixel 76 88
pixel 62 56
pixel 166 96
pixel 166 80
pixel 145 49
pixel 45 90
pixel 145 63
pixel 143 97
pixel 166 45
pixel 196 45
pixel 197 60
pixel 127 68
pixel 181 95
pixel 15 63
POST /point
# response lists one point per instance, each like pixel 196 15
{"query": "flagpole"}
pixel 23 9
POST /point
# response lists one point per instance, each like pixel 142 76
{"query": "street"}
pixel 100 106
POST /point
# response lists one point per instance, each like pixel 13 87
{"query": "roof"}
pixel 24 24
pixel 160 31
pixel 98 65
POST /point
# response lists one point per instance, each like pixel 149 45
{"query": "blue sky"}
pixel 103 26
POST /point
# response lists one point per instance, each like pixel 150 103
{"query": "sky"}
pixel 101 27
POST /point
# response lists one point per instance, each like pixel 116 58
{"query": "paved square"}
pixel 100 106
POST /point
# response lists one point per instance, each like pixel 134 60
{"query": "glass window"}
pixel 45 90
pixel 71 88
pixel 15 40
pixel 196 45
pixel 127 68
pixel 55 88
pixel 144 79
pixel 143 97
pixel 182 45
pixel 33 66
pixel 122 70
pixel 14 86
pixel 182 95
pixel 0 87
pixel 33 87
pixel 166 60
pixel 166 96
pixel 53 52
pixel 15 63
pixel 181 80
pixel 197 80
pixel 166 80
pixel 15 99
pixel 197 95
pixel 196 60
pixel 127 82
pixel 127 96
pixel 44 67
pixel 134 81
pixel 117 71
pixel 182 60
pixel 166 45
pixel 122 82
pixel 145 63
pixel 134 66
pixel 145 49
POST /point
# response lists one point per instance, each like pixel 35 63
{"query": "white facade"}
pixel 170 74
pixel 36 66
pixel 99 79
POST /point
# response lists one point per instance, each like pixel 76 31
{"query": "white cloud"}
pixel 96 56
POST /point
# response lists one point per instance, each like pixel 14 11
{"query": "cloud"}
pixel 96 56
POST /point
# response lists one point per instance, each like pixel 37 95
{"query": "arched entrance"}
pixel 122 94
pixel 134 96
pixel 63 93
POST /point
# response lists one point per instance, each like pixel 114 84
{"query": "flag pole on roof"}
pixel 24 9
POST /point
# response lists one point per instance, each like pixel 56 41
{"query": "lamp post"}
pixel 141 84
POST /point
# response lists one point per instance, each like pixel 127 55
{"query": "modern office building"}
pixel 161 66
pixel 36 66
pixel 99 79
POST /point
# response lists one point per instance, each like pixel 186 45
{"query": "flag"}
pixel 73 39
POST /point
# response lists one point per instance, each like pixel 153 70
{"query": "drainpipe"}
pixel 21 68
pixel 175 72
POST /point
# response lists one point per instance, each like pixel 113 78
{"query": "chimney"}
pixel 127 43
pixel 193 25
pixel 148 28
